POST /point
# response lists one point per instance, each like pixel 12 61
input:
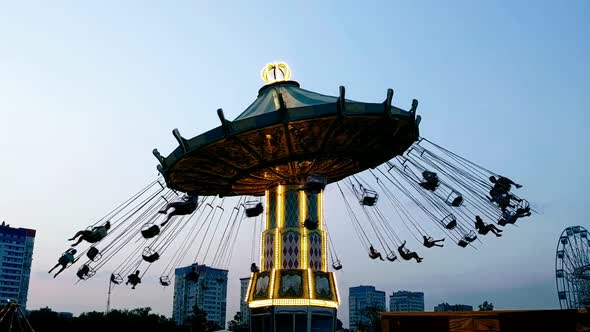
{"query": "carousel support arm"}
pixel 225 124
pixel 414 106
pixel 158 156
pixel 180 139
pixel 341 102
pixel 387 103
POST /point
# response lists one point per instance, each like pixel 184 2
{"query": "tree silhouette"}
pixel 141 319
pixel 485 306
pixel 200 323
pixel 236 324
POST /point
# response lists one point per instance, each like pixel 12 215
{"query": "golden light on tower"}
pixel 275 72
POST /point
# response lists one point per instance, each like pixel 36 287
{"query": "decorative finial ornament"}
pixel 275 72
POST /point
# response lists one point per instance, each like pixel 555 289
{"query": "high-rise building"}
pixel 243 300
pixel 453 307
pixel 16 256
pixel 359 299
pixel 202 286
pixel 406 301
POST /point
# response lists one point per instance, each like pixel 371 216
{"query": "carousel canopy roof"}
pixel 286 134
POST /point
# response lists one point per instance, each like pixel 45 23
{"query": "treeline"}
pixel 141 319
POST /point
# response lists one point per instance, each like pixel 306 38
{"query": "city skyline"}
pixel 87 91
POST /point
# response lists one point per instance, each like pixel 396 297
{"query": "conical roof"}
pixel 286 134
pixel 292 95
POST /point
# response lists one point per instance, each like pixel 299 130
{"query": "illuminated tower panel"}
pixel 293 260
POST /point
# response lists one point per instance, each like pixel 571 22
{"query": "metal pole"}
pixel 109 296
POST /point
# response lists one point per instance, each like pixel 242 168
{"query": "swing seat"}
pixel 502 222
pixel 165 281
pixel 337 265
pixel 462 243
pixel 148 231
pixel 85 272
pixel 391 257
pixel 523 204
pixel 450 222
pixel 150 255
pixel 454 199
pixel 314 184
pixel 470 237
pixel 253 209
pixel 369 197
pixel 310 224
pixel 93 254
pixel 116 279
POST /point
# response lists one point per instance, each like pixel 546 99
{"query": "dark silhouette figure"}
pixel 504 201
pixel 374 254
pixel 133 279
pixel 430 181
pixel 93 235
pixel 254 268
pixel 407 254
pixel 510 218
pixel 310 224
pixel 429 242
pixel 187 206
pixel 255 210
pixel 83 272
pixel 150 232
pixel 462 243
pixel 502 185
pixel 484 229
pixel 66 259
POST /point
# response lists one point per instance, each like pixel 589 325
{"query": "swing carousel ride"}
pixel 269 167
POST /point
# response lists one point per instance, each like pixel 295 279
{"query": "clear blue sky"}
pixel 87 90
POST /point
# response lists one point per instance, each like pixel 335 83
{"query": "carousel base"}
pixel 292 319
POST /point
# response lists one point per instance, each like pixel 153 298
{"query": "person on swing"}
pixel 374 254
pixel 93 235
pixel 187 205
pixel 66 259
pixel 407 254
pixel 429 242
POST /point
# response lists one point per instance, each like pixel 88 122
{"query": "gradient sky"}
pixel 88 90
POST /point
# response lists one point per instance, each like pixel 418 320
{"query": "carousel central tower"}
pixel 294 264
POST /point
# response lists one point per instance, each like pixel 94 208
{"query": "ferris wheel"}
pixel 572 268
